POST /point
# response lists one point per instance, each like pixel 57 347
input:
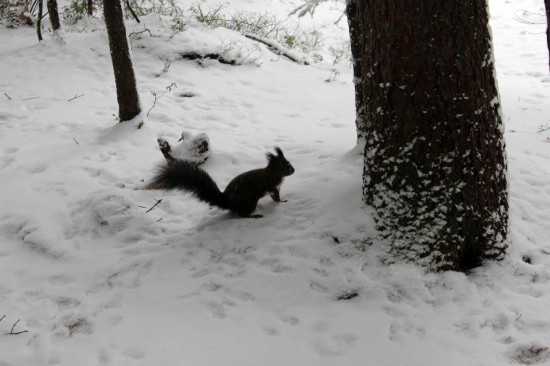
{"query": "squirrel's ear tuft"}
pixel 271 159
pixel 278 151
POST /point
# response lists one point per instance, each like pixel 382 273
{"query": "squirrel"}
pixel 241 194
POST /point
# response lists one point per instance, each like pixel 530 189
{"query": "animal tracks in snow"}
pixel 334 345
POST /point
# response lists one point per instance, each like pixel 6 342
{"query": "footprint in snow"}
pixel 8 159
pixel 335 345
pixel 318 287
pixel 270 330
pixel 290 319
pixel 218 310
pixel 60 280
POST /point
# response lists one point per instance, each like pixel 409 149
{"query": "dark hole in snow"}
pixel 195 56
pixel 348 295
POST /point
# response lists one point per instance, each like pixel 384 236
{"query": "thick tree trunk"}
pixel 54 14
pixel 435 167
pixel 127 95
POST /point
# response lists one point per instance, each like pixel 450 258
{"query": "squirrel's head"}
pixel 279 163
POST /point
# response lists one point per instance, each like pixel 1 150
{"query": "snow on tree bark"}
pixel 127 95
pixel 435 166
pixel 357 46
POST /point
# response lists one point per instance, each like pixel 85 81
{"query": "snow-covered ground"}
pixel 96 279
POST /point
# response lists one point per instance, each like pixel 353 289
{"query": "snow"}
pixel 95 279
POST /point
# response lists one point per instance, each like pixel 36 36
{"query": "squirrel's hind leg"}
pixel 246 205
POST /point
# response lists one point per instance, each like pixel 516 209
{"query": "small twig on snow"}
pixel 2 318
pixel 76 96
pixel 141 31
pixel 155 205
pixel 76 141
pixel 154 94
pixel 159 219
pixel 7 96
pixel 526 12
pixel 30 98
pixel 16 333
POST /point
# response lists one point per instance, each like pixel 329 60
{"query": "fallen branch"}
pixel 276 48
pixel 155 205
pixel 12 328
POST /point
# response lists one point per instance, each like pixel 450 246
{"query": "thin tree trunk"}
pixel 90 7
pixel 127 95
pixel 39 20
pixel 134 15
pixel 435 167
pixel 54 14
pixel 547 6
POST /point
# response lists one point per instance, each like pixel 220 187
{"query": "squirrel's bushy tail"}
pixel 189 177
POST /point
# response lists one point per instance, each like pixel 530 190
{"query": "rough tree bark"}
pixel 54 14
pixel 435 167
pixel 127 95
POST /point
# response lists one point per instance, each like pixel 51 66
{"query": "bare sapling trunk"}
pixel 39 20
pixel 547 7
pixel 127 95
pixel 54 14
